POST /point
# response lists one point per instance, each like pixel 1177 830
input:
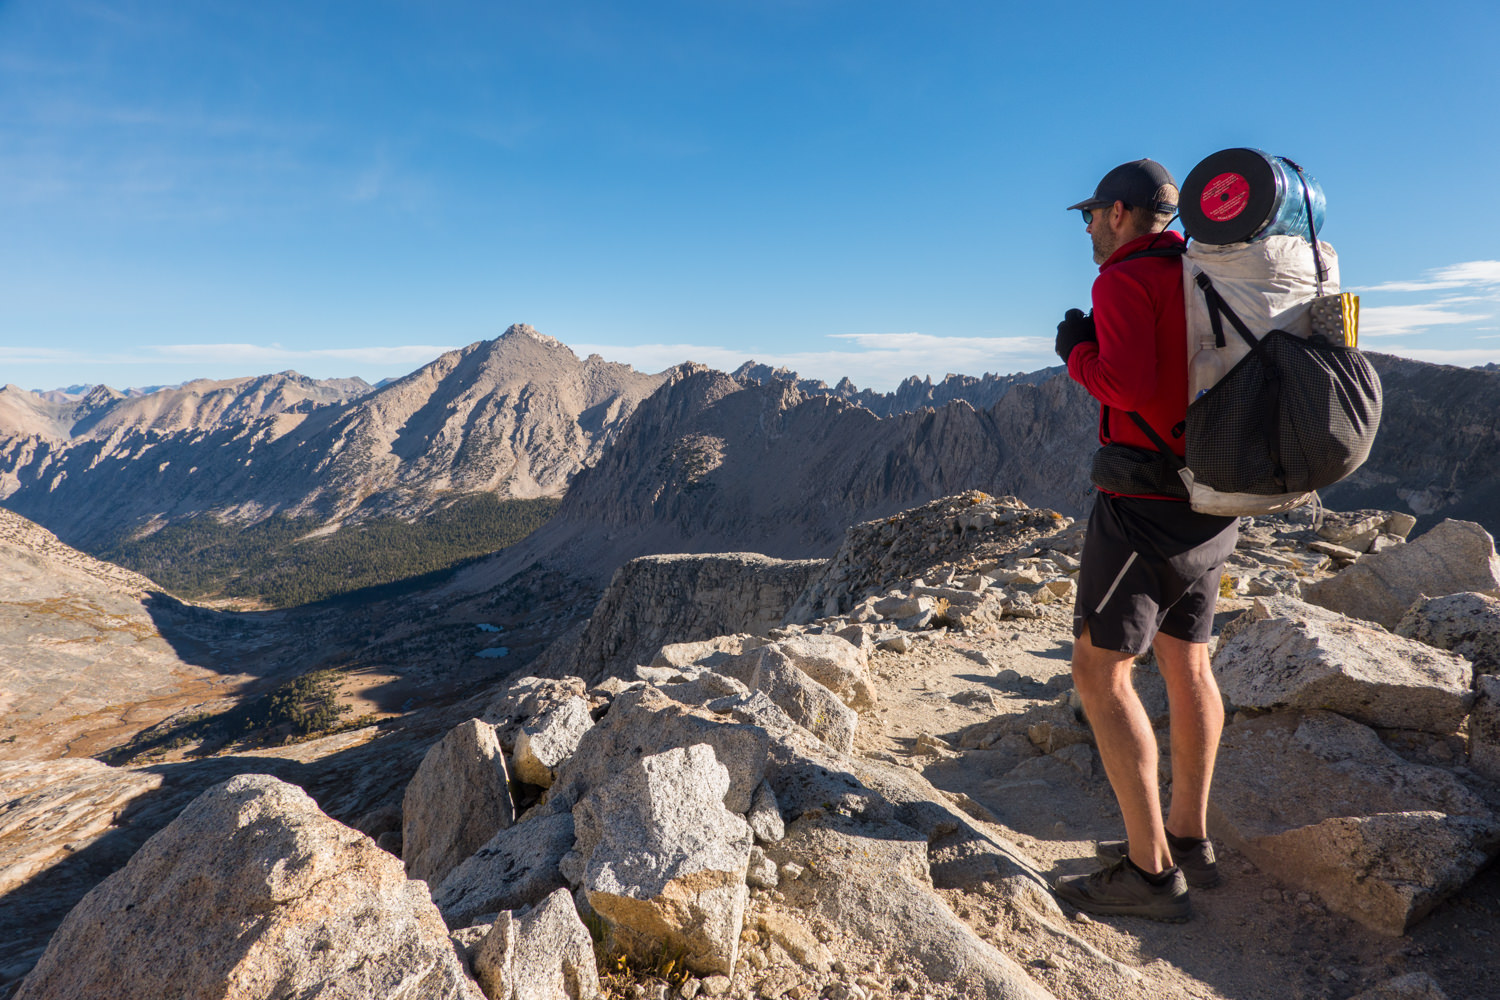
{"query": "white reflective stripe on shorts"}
pixel 1112 587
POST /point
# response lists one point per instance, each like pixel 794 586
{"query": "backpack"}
pixel 1281 401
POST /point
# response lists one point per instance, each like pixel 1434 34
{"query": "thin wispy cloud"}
pixel 915 342
pixel 34 355
pixel 275 354
pixel 881 360
pixel 1393 321
pixel 370 182
pixel 1471 274
pixel 256 357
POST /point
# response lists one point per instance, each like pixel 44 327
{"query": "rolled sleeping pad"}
pixel 1242 195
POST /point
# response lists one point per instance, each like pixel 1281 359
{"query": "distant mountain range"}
pixel 72 393
pixel 91 413
pixel 686 460
pixel 762 461
pixel 516 416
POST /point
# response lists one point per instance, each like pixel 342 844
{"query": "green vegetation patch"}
pixel 274 562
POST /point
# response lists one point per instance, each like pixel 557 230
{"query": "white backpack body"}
pixel 1270 284
pixel 1276 409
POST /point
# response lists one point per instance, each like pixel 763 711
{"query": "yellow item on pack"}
pixel 1336 318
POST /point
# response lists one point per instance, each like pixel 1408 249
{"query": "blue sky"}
pixel 846 187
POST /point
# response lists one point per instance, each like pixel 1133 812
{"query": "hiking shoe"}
pixel 1120 890
pixel 1197 862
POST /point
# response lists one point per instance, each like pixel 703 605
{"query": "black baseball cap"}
pixel 1135 183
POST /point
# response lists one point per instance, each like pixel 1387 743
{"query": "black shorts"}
pixel 1150 566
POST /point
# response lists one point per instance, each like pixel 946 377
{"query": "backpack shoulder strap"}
pixel 1171 250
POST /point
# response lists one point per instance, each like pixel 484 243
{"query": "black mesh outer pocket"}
pixel 1119 468
pixel 1291 417
pixel 1331 402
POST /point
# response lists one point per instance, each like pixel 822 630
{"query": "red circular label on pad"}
pixel 1224 197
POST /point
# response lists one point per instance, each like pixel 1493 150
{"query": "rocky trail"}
pixel 866 800
pixel 1253 937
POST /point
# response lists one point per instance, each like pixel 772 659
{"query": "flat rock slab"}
pixel 50 810
pixel 518 867
pixel 1346 527
pixel 1466 624
pixel 1453 558
pixel 706 652
pixel 1285 653
pixel 869 881
pixel 253 892
pixel 704 689
pixel 1320 803
pixel 455 802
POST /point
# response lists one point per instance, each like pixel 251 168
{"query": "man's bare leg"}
pixel 1127 746
pixel 1197 722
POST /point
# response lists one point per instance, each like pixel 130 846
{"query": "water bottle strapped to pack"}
pixel 1281 403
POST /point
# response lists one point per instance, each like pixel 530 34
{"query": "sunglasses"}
pixel 1088 214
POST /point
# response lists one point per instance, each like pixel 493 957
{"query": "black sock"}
pixel 1181 844
pixel 1158 878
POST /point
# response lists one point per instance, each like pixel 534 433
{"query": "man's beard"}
pixel 1104 245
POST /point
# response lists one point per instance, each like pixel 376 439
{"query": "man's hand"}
pixel 1072 331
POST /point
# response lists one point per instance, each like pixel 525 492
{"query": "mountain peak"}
pixel 101 394
pixel 530 332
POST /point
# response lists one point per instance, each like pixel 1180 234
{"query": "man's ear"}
pixel 1119 215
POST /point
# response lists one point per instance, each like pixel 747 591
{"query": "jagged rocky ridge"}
pixel 746 802
pixel 912 394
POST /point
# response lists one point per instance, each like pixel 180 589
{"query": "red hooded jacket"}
pixel 1140 360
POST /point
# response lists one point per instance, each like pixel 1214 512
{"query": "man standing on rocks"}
pixel 1151 565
